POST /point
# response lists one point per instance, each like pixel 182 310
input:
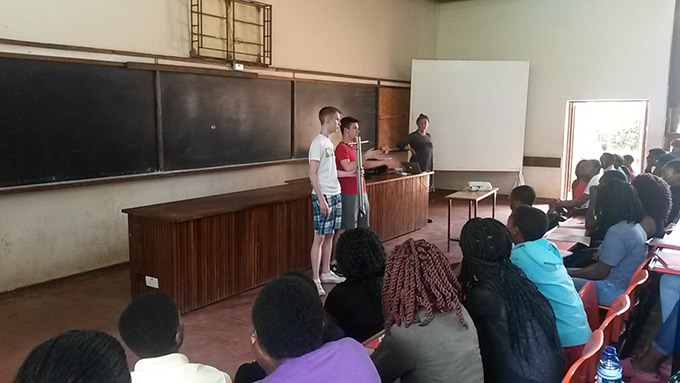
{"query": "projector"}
pixel 479 186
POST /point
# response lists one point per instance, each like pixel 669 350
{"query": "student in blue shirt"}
pixel 619 213
pixel 542 263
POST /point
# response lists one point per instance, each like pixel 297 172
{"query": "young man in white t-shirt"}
pixel 326 200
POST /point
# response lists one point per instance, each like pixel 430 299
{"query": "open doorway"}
pixel 597 126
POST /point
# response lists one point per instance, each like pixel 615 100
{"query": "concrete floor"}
pixel 216 335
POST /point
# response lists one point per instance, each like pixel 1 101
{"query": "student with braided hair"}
pixel 430 336
pixel 518 336
pixel 354 305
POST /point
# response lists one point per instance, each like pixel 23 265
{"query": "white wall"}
pixel 598 49
pixel 51 234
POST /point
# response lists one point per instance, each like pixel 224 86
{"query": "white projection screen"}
pixel 477 112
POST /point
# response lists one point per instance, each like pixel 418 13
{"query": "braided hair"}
pixel 418 276
pixel 486 245
pixel 361 258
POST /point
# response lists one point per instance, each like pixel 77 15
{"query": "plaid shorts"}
pixel 325 225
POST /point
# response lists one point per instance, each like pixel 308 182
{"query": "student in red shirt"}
pixel 346 159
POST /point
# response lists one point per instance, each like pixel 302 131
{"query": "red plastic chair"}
pixel 585 368
pixel 588 296
pixel 613 324
pixel 639 279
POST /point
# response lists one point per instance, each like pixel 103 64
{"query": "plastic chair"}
pixel 613 324
pixel 639 279
pixel 636 281
pixel 585 368
pixel 588 296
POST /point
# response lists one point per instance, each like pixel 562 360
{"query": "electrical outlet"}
pixel 151 282
pixel 238 66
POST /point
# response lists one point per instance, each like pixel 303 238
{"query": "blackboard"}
pixel 215 120
pixel 70 121
pixel 357 101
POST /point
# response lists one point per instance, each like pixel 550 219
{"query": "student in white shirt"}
pixel 326 200
pixel 152 328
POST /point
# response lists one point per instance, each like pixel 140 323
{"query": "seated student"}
pixel 628 167
pixel 671 174
pixel 652 156
pixel 522 195
pixel 354 305
pixel 252 372
pixel 430 336
pixel 590 172
pixel 152 328
pixel 542 263
pixel 579 184
pixel 518 336
pixel 619 213
pixel 656 199
pixel 608 163
pixel 288 339
pixel 675 147
pixel 81 356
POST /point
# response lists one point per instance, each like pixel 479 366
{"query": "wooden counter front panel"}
pixel 398 207
pixel 202 261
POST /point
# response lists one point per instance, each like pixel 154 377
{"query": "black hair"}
pixel 617 201
pixel 675 142
pixel 673 165
pixel 524 194
pixel 327 111
pixel 596 165
pixel 361 258
pixel 531 222
pixel 666 159
pixel 612 175
pixel 607 158
pixel 79 356
pixel 421 117
pixel 655 196
pixel 288 318
pixel 345 123
pixel 628 157
pixel 149 325
pixel 486 244
pixel 657 152
pixel 618 160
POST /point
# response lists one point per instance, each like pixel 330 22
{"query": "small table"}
pixel 471 197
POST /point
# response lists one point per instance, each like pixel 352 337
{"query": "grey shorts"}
pixel 349 211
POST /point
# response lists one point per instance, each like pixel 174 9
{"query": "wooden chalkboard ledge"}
pixel 190 69
pixel 137 177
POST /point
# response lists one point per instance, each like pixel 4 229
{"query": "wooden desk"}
pixel 207 249
pixel 398 204
pixel 471 197
pixel 573 226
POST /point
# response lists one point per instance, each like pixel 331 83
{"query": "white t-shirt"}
pixel 175 368
pixel 593 182
pixel 322 150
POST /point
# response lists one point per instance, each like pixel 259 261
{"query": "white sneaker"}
pixel 319 288
pixel 331 277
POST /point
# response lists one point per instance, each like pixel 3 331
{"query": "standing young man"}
pixel 346 159
pixel 326 200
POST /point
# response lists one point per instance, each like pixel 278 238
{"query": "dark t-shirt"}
pixel 350 304
pixel 423 147
pixel 675 209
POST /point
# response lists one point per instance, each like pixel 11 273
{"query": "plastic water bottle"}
pixel 609 369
